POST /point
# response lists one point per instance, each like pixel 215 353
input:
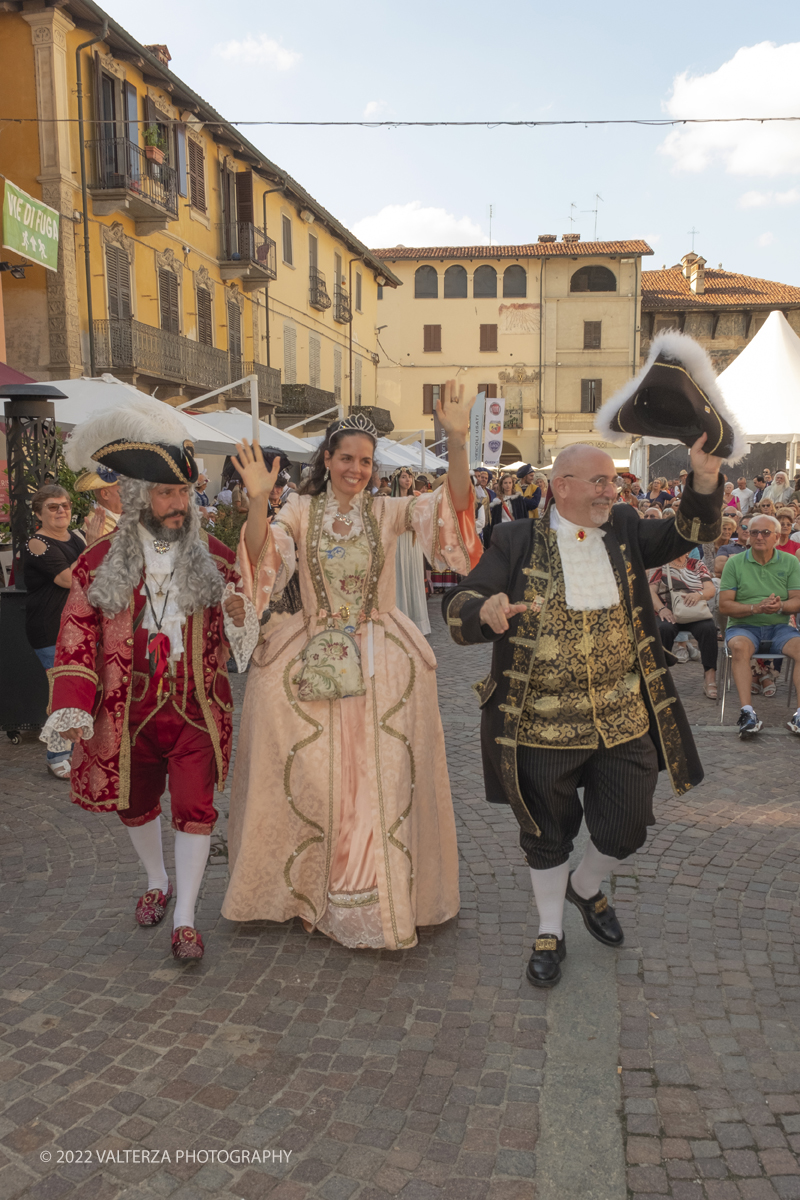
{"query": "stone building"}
pixel 552 326
pixel 721 309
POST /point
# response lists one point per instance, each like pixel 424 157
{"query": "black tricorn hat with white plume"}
pixel 143 439
pixel 675 396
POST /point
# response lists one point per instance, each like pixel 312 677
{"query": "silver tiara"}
pixel 356 423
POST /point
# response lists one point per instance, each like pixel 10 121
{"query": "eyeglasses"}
pixel 600 484
pixel 762 532
pixel 55 508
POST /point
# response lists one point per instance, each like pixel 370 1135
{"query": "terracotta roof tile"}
pixel 668 290
pixel 528 250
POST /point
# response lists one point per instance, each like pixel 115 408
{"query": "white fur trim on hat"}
pixel 140 419
pixel 680 348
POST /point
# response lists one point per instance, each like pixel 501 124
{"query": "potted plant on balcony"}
pixel 154 144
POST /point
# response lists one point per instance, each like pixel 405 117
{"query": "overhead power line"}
pixel 656 122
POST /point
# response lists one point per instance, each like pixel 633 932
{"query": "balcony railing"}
pixel 342 312
pixel 132 346
pixel 319 297
pixel 301 399
pixel 122 166
pixel 248 245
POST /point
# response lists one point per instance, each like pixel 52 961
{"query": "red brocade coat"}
pixel 101 666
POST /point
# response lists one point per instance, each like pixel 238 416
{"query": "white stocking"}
pixel 590 872
pixel 191 856
pixel 549 889
pixel 147 844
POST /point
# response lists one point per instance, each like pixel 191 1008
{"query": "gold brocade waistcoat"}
pixel 585 682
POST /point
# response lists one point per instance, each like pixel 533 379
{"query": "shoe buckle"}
pixel 546 943
pixel 601 905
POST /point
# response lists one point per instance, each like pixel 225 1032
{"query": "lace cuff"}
pixel 59 722
pixel 241 638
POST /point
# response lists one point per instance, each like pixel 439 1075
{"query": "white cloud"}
pixel 259 51
pixel 759 81
pixel 766 239
pixel 413 225
pixel 652 239
pixel 374 110
pixel 763 199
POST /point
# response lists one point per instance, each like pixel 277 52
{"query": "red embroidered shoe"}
pixel 187 943
pixel 152 906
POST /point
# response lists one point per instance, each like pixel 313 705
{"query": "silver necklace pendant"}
pixel 345 518
pixel 161 547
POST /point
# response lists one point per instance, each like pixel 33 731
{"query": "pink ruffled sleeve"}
pixel 277 561
pixel 448 538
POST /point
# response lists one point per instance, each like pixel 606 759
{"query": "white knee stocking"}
pixel 549 889
pixel 191 856
pixel 147 844
pixel 593 868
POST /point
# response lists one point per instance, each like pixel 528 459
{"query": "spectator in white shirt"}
pixel 744 495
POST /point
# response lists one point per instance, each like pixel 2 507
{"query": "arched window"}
pixel 426 283
pixel 515 281
pixel 484 282
pixel 593 279
pixel 455 283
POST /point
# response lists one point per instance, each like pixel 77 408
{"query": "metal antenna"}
pixel 572 218
pixel 693 232
pixel 599 198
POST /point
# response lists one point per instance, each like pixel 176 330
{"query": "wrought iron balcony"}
pixel 319 297
pixel 131 347
pixel 342 312
pixel 301 399
pixel 126 180
pixel 247 254
pixel 381 417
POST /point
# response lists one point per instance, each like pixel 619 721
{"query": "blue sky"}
pixel 739 186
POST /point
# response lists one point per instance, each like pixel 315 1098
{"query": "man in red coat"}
pixel 140 681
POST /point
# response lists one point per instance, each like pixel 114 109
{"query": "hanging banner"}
pixel 493 431
pixel 30 227
pixel 476 419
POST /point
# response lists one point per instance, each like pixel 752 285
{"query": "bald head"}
pixel 583 484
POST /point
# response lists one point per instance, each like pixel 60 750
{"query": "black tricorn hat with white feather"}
pixel 143 439
pixel 675 396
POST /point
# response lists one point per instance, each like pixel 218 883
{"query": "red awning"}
pixel 9 375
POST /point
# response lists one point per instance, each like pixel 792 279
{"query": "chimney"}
pixel 697 276
pixel 686 264
pixel 161 53
pixel 570 237
pixel 548 237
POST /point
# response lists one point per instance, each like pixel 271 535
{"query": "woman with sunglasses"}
pixel 50 555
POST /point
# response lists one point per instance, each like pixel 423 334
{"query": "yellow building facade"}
pixel 551 326
pixel 195 259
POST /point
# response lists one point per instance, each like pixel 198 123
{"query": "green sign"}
pixel 30 227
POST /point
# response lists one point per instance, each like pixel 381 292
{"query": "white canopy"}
pixel 393 454
pixel 85 397
pixel 237 425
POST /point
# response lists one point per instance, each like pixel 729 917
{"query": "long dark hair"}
pixel 396 481
pixel 314 483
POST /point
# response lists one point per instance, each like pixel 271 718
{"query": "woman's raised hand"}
pixel 453 410
pixel 249 462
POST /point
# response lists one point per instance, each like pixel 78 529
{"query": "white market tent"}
pixel 395 454
pixel 237 425
pixel 762 389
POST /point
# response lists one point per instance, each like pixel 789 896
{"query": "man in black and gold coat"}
pixel 579 694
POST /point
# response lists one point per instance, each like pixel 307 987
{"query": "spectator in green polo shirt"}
pixel 759 592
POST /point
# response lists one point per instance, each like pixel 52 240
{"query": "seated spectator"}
pixel 690 579
pixel 225 495
pixel 643 506
pixel 779 491
pixel 668 512
pixel 729 499
pixel 658 493
pixel 508 505
pixel 653 514
pixel 785 543
pixel 759 592
pixel 726 549
pixel 766 506
pixel 422 483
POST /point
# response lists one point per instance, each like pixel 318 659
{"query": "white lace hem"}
pixel 242 639
pixel 59 722
pixel 354 920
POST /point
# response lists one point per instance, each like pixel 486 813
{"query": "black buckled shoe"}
pixel 598 916
pixel 544 968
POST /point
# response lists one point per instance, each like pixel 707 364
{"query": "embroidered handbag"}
pixel 684 613
pixel 331 667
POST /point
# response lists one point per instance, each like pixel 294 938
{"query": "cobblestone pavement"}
pixel 375 1074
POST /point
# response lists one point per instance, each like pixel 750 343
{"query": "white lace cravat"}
pixel 589 581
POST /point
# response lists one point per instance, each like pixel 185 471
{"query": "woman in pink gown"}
pixel 340 809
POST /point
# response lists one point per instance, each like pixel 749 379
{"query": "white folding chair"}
pixel 727 675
